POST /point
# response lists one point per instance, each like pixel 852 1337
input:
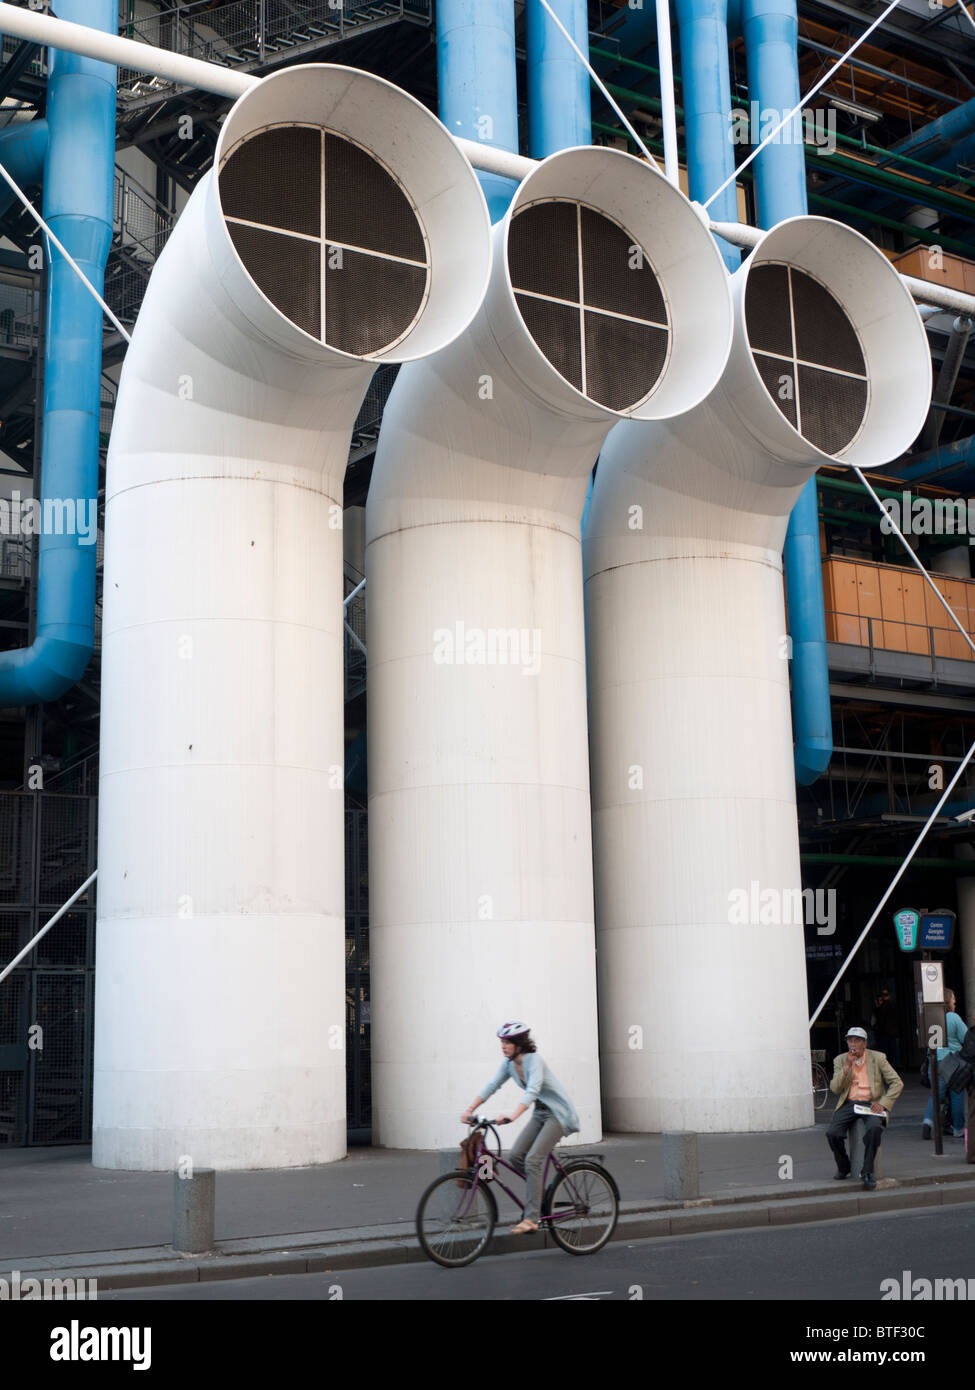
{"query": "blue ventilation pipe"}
pixel 477 80
pixel 706 87
pixel 78 205
pixel 770 29
pixel 23 151
pixel 559 113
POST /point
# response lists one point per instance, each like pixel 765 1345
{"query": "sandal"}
pixel 524 1228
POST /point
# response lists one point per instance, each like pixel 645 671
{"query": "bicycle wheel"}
pixel 584 1203
pixel 820 1086
pixel 455 1219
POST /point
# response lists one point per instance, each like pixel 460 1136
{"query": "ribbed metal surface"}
pixel 286 269
pixel 789 313
pixel 614 360
pixel 275 178
pixel 365 206
pixel 369 301
pixel 289 179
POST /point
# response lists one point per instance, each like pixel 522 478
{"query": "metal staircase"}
pixel 255 35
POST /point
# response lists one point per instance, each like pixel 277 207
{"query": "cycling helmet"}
pixel 513 1030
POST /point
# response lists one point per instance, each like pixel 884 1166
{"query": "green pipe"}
pixel 863 518
pixel 872 219
pixel 897 183
pixel 628 62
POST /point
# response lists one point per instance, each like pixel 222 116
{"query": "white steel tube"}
pixel 12 965
pixel 694 825
pixel 220 996
pixel 480 863
pixel 667 99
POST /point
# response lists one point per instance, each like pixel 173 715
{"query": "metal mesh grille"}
pixel 768 317
pixel 369 301
pixel 827 407
pixel 543 250
pixel 60 1093
pixel 623 359
pixel 832 407
pixel 555 328
pixel 281 178
pixel 365 206
pixel 274 177
pixel 616 274
pixel 609 351
pixel 823 331
pixel 779 377
pixel 286 269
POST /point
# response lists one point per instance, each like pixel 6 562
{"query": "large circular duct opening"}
pixel 808 354
pixel 591 300
pixel 328 234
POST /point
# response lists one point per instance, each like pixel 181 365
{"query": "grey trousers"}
pixel 533 1145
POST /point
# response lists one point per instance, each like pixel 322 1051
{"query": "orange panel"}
pixel 868 592
pixel 892 636
pixel 942 642
pixel 913 586
pixel 936 615
pixel 892 592
pixel 843 586
pixel 847 628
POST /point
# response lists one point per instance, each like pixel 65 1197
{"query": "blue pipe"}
pixel 23 150
pixel 477 80
pixel 559 114
pixel 770 29
pixel 706 79
pixel 78 205
pixel 954 458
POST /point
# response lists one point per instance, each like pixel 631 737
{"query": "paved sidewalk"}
pixel 58 1214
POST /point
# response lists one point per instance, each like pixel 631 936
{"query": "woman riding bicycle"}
pixel 553 1116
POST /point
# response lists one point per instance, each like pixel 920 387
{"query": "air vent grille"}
pixel 808 355
pixel 591 300
pixel 328 235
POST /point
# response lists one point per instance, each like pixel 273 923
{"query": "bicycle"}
pixel 457 1213
pixel 820 1084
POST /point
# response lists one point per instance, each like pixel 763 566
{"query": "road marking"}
pixel 569 1297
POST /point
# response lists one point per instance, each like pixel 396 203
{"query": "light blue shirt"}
pixel 540 1084
pixel 957 1028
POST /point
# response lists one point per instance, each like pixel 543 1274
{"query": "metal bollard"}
pixel 681 1170
pixel 193 1209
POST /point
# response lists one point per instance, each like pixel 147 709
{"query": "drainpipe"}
pixel 477 79
pixel 558 84
pixel 707 108
pixel 770 29
pixel 23 151
pixel 78 204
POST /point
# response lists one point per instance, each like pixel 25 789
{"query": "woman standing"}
pixel 956 1036
pixel 553 1116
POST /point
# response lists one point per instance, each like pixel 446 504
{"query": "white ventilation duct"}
pixel 340 227
pixel 703 1008
pixel 607 298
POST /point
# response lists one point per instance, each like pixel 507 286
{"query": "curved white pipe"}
pixel 702 978
pixel 220 1002
pixel 479 818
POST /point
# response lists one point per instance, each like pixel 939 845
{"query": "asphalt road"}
pixel 834 1261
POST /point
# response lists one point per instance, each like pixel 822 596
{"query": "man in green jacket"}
pixel 861 1078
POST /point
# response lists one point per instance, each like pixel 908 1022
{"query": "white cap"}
pixel 856 1033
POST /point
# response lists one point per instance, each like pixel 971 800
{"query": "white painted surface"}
pixel 480 863
pixel 220 1009
pixel 703 1022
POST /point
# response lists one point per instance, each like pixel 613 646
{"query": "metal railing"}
pixel 20 309
pixel 895 635
pixel 355 633
pixel 250 33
